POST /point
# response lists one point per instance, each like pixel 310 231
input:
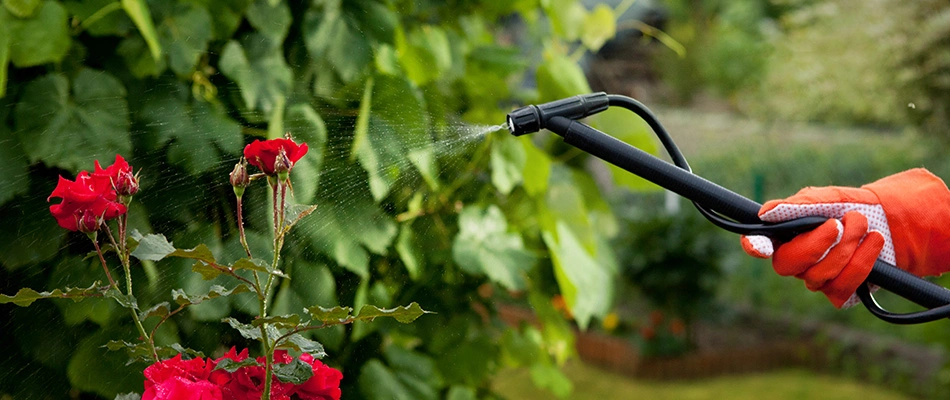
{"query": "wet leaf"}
pixel 91 112
pixel 410 251
pixel 258 67
pixel 200 252
pixel 299 343
pixel 26 296
pixel 180 297
pixel 296 372
pixel 160 310
pixel 279 321
pixel 232 366
pixel 484 246
pixel 153 247
pixel 329 315
pixel 537 169
pixel 334 39
pixel 246 330
pixel 22 8
pixel 256 264
pixel 508 160
pixel 404 314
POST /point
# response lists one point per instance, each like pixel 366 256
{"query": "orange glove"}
pixel 903 219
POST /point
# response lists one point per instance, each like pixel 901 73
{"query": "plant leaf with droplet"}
pixel 404 314
pixel 299 343
pixel 26 296
pixel 232 366
pixel 180 297
pixel 279 321
pixel 153 247
pixel 296 372
pixel 484 246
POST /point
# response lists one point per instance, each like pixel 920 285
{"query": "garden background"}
pixel 421 199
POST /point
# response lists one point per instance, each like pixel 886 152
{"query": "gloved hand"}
pixel 903 219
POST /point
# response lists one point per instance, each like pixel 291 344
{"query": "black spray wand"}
pixel 722 207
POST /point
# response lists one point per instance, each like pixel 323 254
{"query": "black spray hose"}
pixel 712 200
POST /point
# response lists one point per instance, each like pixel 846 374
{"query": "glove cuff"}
pixel 917 205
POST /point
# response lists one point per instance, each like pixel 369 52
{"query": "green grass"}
pixel 592 383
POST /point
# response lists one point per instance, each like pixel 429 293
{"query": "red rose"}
pixel 247 383
pixel 175 378
pixel 323 385
pixel 83 197
pixel 178 388
pixel 117 177
pixel 264 155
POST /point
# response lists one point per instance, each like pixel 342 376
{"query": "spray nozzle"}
pixel 530 119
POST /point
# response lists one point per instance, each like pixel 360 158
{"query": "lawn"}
pixel 792 384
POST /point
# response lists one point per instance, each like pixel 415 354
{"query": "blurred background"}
pixel 551 274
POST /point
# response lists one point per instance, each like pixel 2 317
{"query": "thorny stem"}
pixel 240 221
pixel 104 266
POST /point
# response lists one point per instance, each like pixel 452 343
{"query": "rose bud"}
pixel 239 178
pixel 87 222
pixel 127 184
pixel 282 165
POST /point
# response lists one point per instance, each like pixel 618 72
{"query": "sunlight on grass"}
pixel 593 383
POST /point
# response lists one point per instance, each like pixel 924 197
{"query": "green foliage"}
pixel 416 205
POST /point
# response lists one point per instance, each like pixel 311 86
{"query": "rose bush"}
pixel 203 379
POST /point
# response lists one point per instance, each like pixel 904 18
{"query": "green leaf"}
pixel 232 366
pixel 40 39
pixel 411 364
pixel 560 77
pixel 207 271
pixel 484 246
pixel 348 228
pixel 586 286
pixel 256 264
pixel 424 53
pixel 160 310
pixel 392 123
pixel 93 118
pixel 508 160
pixel 567 17
pixel 272 20
pixel 296 372
pixel 600 25
pixel 299 343
pixel 410 251
pixel 257 65
pixel 200 252
pixel 200 133
pixel 305 125
pixel 128 396
pixel 329 315
pixel 280 321
pixel 26 296
pixel 246 330
pixel 295 213
pixel 404 314
pixel 377 382
pixel 537 169
pixel 138 12
pixel 227 16
pixel 180 297
pixel 332 38
pixel 22 8
pixel 153 247
pixel 184 33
